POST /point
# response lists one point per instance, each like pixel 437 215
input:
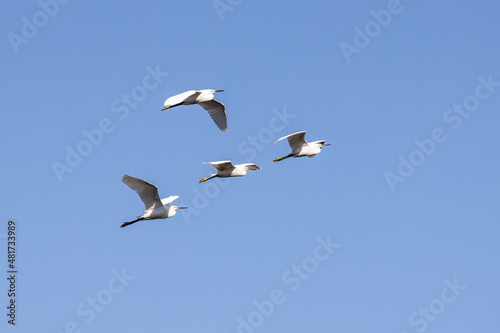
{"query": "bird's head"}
pixel 173 210
pixel 251 166
pixel 322 144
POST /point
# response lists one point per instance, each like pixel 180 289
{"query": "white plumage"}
pixel 227 169
pixel 300 147
pixel 154 208
pixel 205 98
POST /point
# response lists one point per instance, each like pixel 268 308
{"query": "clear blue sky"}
pixel 394 228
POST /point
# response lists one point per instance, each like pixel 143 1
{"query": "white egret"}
pixel 205 98
pixel 227 169
pixel 154 207
pixel 300 147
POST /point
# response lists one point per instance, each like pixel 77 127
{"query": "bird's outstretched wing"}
pixel 221 165
pixel 166 201
pixel 295 140
pixel 217 111
pixel 147 191
pixel 177 99
pixel 251 166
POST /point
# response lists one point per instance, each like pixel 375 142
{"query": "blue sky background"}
pixel 203 269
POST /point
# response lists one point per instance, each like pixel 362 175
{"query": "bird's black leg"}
pixel 171 106
pixel 205 179
pixel 132 222
pixel 282 158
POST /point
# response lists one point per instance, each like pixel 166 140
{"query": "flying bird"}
pixel 205 98
pixel 227 169
pixel 154 207
pixel 300 147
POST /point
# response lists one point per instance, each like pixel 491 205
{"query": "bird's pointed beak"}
pixel 166 107
pixel 326 144
pixel 219 90
pixel 181 207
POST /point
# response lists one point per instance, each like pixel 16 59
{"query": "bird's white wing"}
pixel 295 140
pixel 217 111
pixel 174 100
pixel 166 201
pixel 251 166
pixel 221 165
pixel 147 191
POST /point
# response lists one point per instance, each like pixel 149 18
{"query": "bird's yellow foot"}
pixel 203 180
pixel 278 159
pixel 166 107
